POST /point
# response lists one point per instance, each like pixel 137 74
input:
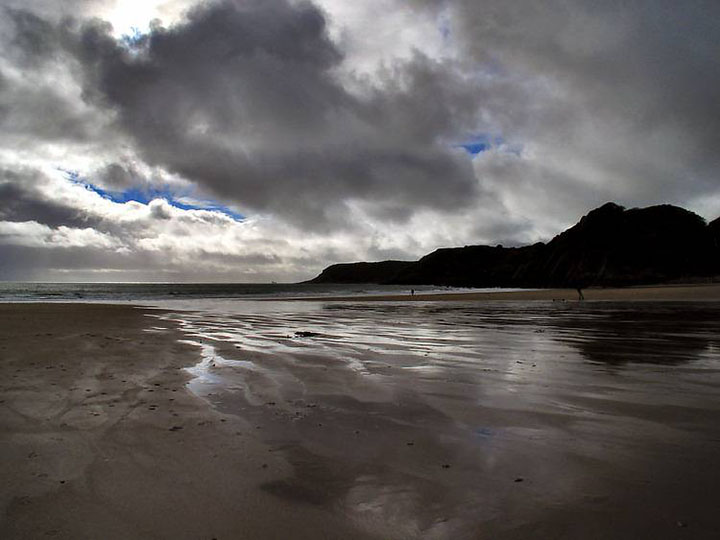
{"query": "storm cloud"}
pixel 337 132
pixel 242 97
pixel 624 95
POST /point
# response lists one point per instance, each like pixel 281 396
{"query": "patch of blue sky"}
pixel 482 142
pixel 144 195
pixel 134 42
pixel 134 37
pixel 475 148
pixel 444 28
pixel 444 24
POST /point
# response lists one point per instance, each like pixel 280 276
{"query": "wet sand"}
pixel 361 420
pixel 99 438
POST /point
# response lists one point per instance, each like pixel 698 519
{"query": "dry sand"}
pixel 400 421
pixel 699 292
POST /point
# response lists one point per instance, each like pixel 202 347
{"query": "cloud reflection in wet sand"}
pixel 440 421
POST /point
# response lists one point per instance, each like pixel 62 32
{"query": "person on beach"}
pixel 412 292
pixel 581 296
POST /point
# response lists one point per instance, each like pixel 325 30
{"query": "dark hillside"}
pixel 363 272
pixel 610 246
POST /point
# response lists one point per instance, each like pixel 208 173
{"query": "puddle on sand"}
pixel 206 379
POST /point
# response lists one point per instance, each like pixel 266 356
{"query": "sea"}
pixel 151 292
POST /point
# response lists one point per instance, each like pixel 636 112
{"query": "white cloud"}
pixel 33 234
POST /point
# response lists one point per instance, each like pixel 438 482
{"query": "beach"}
pixel 100 439
pixel 684 292
pixel 349 418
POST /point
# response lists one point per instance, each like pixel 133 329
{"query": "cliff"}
pixel 608 246
pixel 362 272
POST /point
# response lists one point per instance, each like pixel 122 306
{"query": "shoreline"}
pixel 658 292
pixel 685 292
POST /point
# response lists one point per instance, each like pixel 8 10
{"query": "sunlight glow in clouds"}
pixel 129 17
pixel 265 139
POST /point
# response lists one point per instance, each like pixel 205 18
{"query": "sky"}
pixel 262 140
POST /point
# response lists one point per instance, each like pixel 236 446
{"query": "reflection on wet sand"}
pixel 655 333
pixel 480 420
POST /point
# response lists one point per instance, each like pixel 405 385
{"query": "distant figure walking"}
pixel 412 292
pixel 581 296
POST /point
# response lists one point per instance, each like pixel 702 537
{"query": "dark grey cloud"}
pixel 243 98
pixel 55 10
pixel 33 39
pixel 40 100
pixel 21 200
pixel 38 113
pixel 118 176
pixel 629 87
pixel 24 263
